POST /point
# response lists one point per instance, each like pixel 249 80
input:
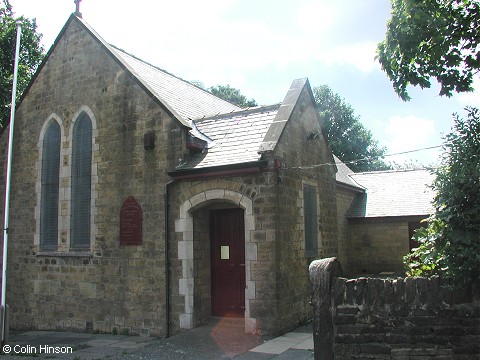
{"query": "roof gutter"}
pixel 250 168
pixel 350 187
pixel 380 218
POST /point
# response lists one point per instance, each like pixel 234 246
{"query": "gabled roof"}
pixel 236 137
pixel 180 98
pixel 242 137
pixel 284 113
pixel 393 193
pixel 188 100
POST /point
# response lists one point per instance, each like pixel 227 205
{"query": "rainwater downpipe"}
pixel 167 264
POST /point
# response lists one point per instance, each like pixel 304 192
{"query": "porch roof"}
pixel 236 137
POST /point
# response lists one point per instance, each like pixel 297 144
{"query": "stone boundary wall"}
pixel 398 319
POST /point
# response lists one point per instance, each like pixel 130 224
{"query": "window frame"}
pixel 65 188
pixel 50 186
pixel 81 183
pixel 310 220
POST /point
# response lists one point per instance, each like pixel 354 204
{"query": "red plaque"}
pixel 131 222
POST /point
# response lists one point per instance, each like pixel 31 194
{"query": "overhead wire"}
pixel 370 158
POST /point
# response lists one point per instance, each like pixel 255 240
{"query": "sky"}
pixel 261 46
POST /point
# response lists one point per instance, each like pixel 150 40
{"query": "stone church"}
pixel 141 203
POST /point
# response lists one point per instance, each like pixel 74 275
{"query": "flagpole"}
pixel 8 179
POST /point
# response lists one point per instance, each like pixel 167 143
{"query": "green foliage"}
pixel 198 83
pixel 427 39
pixel 423 260
pixel 226 92
pixel 348 138
pixel 31 55
pixel 450 245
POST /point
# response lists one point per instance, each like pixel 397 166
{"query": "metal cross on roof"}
pixel 77 7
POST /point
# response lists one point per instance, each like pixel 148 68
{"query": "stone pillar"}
pixel 322 273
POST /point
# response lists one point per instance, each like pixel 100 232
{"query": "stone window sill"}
pixel 76 254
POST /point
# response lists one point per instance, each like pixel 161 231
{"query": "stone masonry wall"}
pixel 398 319
pixel 345 199
pixel 276 267
pixel 296 151
pixel 377 246
pixel 110 287
pixel 405 319
pixel 190 248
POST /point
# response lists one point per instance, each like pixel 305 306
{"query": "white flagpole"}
pixel 8 179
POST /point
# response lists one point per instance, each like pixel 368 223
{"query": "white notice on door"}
pixel 224 252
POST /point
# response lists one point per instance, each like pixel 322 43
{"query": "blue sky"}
pixel 261 46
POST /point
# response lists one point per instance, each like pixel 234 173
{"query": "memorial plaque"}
pixel 131 222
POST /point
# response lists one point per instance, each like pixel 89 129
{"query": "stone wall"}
pixel 378 245
pixel 112 287
pixel 277 285
pixel 345 198
pixel 190 202
pixel 258 196
pixel 109 287
pixel 402 318
pixel 297 154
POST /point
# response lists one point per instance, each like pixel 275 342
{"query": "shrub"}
pixel 450 244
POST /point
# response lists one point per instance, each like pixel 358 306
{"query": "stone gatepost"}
pixel 322 273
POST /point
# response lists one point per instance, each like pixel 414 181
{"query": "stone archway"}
pixel 184 225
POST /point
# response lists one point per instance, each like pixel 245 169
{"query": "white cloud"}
pixel 472 98
pixel 209 41
pixel 406 133
pixel 314 17
pixel 204 43
pixel 360 55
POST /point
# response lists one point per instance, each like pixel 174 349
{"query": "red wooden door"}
pixel 228 262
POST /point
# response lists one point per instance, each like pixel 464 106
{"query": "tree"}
pixel 450 244
pixel 226 92
pixel 428 39
pixel 31 55
pixel 348 138
pixel 198 83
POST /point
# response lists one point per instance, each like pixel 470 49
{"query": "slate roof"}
pixel 237 134
pixel 393 193
pixel 236 137
pixel 343 175
pixel 182 99
pixel 188 100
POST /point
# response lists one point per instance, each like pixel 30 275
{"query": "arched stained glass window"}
pixel 81 183
pixel 50 187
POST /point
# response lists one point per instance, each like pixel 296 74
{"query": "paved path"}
pixel 219 340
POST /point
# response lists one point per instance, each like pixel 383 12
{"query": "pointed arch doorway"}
pixel 227 234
